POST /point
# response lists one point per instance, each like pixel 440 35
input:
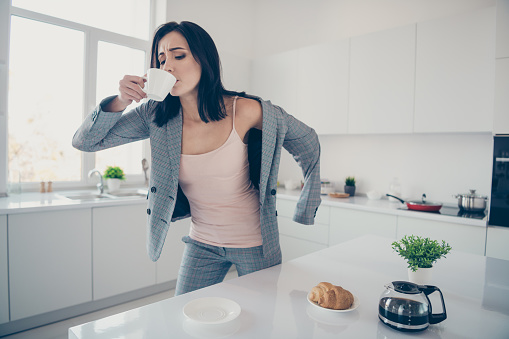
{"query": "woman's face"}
pixel 175 57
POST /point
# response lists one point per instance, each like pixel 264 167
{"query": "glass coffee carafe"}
pixel 405 306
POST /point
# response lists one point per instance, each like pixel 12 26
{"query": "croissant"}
pixel 330 296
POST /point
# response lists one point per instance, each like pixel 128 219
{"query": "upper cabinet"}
pixel 501 118
pixel 274 78
pixel 382 71
pixel 503 29
pixel 322 91
pixel 455 73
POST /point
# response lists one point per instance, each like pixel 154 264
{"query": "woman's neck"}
pixel 190 107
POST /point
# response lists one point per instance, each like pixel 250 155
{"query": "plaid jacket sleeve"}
pixel 301 141
pixel 101 130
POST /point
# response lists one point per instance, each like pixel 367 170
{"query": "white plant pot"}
pixel 113 184
pixel 421 277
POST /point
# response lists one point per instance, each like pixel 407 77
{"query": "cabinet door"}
pixel 322 93
pixel 502 28
pixel 275 79
pixel 168 265
pixel 4 283
pixel 348 224
pixel 455 73
pixel 497 242
pixel 501 118
pixel 297 239
pixel 382 71
pixel 464 238
pixel 121 262
pixel 292 247
pixel 49 261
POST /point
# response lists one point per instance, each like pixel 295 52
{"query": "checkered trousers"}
pixel 204 265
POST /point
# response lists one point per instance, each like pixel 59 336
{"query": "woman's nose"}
pixel 167 66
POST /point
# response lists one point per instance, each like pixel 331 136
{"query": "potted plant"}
pixel 113 176
pixel 420 254
pixel 350 185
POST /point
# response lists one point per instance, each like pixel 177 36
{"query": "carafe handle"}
pixel 434 318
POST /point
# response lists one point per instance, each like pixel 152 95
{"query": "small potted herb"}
pixel 350 186
pixel 113 176
pixel 420 254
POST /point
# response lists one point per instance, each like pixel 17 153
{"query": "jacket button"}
pixel 148 211
pixel 153 190
pixel 273 192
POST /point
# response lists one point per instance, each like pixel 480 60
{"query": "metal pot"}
pixel 471 202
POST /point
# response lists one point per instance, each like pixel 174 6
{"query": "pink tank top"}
pixel 225 208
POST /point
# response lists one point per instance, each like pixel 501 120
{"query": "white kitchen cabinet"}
pixel 455 73
pixel 382 73
pixel 168 265
pixel 322 91
pixel 50 261
pixel 497 242
pixel 297 239
pixel 121 263
pixel 274 78
pixel 4 272
pixel 501 118
pixel 348 224
pixel 461 237
pixel 502 28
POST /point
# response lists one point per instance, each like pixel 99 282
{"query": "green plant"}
pixel 350 181
pixel 114 172
pixel 420 252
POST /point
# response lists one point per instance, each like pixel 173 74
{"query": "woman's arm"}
pixel 101 129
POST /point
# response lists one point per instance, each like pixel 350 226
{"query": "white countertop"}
pixel 384 206
pixel 37 202
pixel 274 305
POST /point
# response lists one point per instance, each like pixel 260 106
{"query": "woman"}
pixel 215 158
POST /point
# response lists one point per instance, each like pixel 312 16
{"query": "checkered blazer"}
pixel 167 202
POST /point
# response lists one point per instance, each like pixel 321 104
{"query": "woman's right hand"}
pixel 130 88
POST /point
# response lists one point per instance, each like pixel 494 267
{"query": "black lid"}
pixel 406 287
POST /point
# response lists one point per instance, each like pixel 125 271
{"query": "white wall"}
pixel 282 25
pixel 439 165
pixel 231 24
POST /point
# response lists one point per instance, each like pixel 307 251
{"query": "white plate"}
pixel 353 307
pixel 212 310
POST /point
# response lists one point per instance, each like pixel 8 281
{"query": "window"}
pixel 62 62
pixel 127 17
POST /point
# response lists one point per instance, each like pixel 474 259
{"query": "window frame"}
pixel 91 41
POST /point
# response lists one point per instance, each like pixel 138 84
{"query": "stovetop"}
pixel 456 212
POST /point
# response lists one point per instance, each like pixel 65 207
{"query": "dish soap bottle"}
pixel 395 189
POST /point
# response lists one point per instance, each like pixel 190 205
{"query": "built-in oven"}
pixel 499 202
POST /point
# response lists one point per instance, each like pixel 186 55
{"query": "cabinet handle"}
pixel 502 159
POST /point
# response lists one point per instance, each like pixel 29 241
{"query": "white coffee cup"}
pixel 159 84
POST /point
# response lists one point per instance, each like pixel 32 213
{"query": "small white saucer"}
pixel 213 310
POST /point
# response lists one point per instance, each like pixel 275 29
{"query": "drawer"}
pixel 318 233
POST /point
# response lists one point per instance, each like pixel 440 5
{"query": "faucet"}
pixel 100 186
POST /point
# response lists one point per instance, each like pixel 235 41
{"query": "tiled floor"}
pixel 59 330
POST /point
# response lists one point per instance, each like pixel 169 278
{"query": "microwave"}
pixel 499 202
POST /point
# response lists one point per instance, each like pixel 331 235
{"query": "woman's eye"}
pixel 162 62
pixel 180 57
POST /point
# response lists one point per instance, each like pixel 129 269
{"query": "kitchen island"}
pixel 274 301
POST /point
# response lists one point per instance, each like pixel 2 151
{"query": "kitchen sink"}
pixel 129 194
pixel 88 196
